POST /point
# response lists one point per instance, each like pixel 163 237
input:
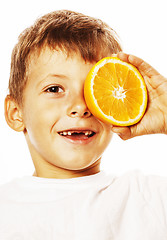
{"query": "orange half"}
pixel 115 92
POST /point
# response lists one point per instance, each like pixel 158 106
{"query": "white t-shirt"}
pixel 97 207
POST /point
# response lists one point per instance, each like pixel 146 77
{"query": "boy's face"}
pixel 64 138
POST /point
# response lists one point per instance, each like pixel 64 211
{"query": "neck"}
pixel 49 171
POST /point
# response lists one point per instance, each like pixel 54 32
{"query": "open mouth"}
pixel 77 135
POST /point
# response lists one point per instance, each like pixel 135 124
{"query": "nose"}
pixel 78 108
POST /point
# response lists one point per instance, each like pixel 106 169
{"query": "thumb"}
pixel 126 133
pixel 123 132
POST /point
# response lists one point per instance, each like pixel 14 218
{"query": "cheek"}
pixel 41 114
pixel 38 124
pixel 38 132
pixel 107 135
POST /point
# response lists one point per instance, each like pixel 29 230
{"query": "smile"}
pixel 77 135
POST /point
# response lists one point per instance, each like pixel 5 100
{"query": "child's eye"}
pixel 54 89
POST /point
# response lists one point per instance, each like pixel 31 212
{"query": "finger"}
pixel 123 132
pixel 143 67
pixel 123 56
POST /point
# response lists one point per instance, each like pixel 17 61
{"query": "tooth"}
pixel 65 133
pixel 87 133
pixel 69 133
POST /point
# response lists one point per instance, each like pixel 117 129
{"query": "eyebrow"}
pixel 56 76
pixel 60 76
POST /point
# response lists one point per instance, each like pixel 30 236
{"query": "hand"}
pixel 155 117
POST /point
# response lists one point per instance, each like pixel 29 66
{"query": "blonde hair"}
pixel 66 30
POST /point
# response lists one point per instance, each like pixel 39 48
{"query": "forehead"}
pixel 54 62
pixel 47 56
pixel 44 57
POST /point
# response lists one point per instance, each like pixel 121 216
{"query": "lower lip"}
pixel 79 141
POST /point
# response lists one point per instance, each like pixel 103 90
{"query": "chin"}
pixel 81 164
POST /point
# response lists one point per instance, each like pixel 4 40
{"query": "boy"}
pixel 68 197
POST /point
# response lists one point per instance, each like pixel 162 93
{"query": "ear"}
pixel 13 114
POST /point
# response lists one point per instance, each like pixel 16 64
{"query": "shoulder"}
pixel 9 190
pixel 137 187
pixel 138 179
pixel 147 185
pixel 154 191
pixel 147 191
pixel 138 200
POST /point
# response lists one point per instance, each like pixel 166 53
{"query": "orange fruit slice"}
pixel 115 92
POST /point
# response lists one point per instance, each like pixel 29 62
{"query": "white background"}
pixel 142 27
